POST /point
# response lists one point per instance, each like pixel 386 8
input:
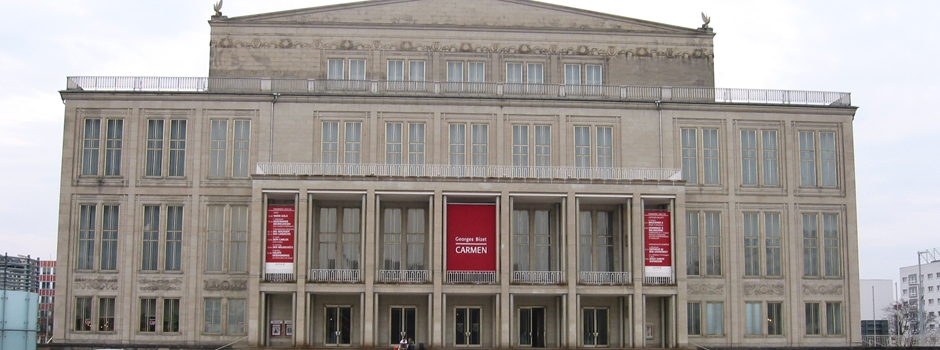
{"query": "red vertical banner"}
pixel 471 237
pixel 279 247
pixel 658 243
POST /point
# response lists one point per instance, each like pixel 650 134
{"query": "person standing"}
pixel 403 344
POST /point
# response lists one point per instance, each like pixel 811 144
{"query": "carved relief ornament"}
pixel 146 284
pixel 822 289
pixel 214 285
pixel 96 283
pixel 763 289
pixel 706 289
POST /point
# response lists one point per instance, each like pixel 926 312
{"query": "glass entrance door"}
pixel 532 327
pixel 467 326
pixel 594 326
pixel 402 324
pixel 338 325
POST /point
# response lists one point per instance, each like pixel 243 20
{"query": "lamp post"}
pixel 920 297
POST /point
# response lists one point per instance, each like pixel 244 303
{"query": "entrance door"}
pixel 467 326
pixel 338 325
pixel 594 325
pixel 532 327
pixel 402 324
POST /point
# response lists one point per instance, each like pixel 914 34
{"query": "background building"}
pixel 46 300
pixel 498 173
pixel 875 297
pixel 19 301
pixel 929 278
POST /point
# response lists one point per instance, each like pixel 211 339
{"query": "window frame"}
pixel 695 156
pixel 825 164
pixel 822 259
pixel 346 146
pixel 340 241
pixel 101 153
pixel 595 158
pixel 470 155
pixel 763 238
pixel 92 318
pixel 90 254
pixel 703 250
pixel 167 150
pixel 226 240
pixel 767 164
pixel 409 151
pixel 616 236
pixel 531 244
pixel 162 260
pixel 533 149
pixel 769 311
pixel 705 326
pixel 231 160
pixel 224 314
pixel 405 248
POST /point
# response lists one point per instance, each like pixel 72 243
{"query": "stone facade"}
pixel 371 122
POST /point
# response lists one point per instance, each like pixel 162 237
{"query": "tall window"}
pixel 694 314
pixel 759 159
pixel 403 238
pixel 148 315
pixel 106 314
pixel 107 139
pixel 227 226
pixel 830 254
pixel 166 148
pixel 171 315
pixel 338 237
pixel 774 318
pixel 756 318
pixel 762 245
pixel 404 143
pixel 224 311
pixel 812 318
pixel 834 318
pixel 479 144
pixel 82 314
pixel 350 137
pixel 715 318
pixel 596 241
pixel 818 164
pixel 91 234
pixel 598 153
pixel 532 240
pixel 703 227
pixel 753 319
pixel 229 137
pixel 155 227
pixel 531 150
pixel 700 156
pixel 400 71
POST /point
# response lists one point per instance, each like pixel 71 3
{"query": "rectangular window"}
pixel 393 143
pixel 330 152
pixel 338 238
pixel 602 146
pixel 532 240
pixel 213 316
pixel 454 72
pixel 227 225
pixel 523 145
pixel 520 145
pixel 171 315
pixel 759 157
pixel 416 143
pixel 329 144
pixel 416 71
pixel 774 318
pixel 171 143
pixel 524 77
pixel 219 147
pixel 706 171
pixel 695 318
pixel 596 241
pixel 148 315
pixel 710 225
pixel 762 245
pixel 92 142
pixel 753 319
pixel 479 144
pixel 335 69
pixel 151 238
pixel 396 70
pixel 475 72
pixel 830 254
pixel 236 316
pixel 395 151
pixel 834 318
pixel 715 318
pixel 105 314
pixel 83 314
pixel 174 238
pixel 543 145
pixel 404 252
pixel 811 314
pixel 155 227
pixel 818 168
pixel 89 234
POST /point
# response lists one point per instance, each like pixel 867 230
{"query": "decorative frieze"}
pixel 153 284
pixel 706 289
pixel 582 50
pixel 110 283
pixel 763 289
pixel 214 285
pixel 822 289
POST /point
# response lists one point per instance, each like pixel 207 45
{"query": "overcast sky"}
pixel 885 53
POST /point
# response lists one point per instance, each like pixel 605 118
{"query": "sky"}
pixel 884 53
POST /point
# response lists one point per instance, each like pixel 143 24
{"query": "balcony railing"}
pixel 602 278
pixel 279 277
pixel 336 276
pixel 403 276
pixel 906 340
pixel 468 171
pixel 658 281
pixel 471 277
pixel 536 277
pixel 435 88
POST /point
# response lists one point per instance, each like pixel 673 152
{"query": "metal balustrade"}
pixel 468 171
pixel 470 277
pixel 279 277
pixel 658 281
pixel 536 277
pixel 334 275
pixel 403 276
pixel 904 340
pixel 602 278
pixel 474 89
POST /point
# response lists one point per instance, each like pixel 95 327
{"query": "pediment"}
pixel 460 13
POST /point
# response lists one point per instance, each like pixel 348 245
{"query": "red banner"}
pixel 471 237
pixel 658 240
pixel 280 239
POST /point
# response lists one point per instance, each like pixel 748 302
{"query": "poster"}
pixel 657 244
pixel 279 247
pixel 471 237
